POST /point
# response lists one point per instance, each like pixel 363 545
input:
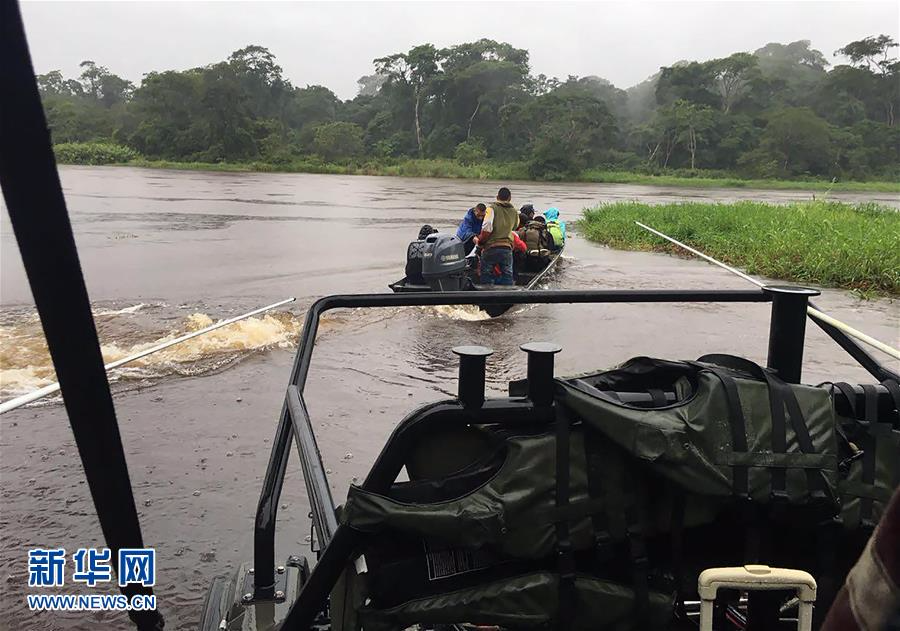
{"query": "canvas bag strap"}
pixel 593 454
pixel 893 389
pixel 565 554
pixel 781 396
pixel 870 449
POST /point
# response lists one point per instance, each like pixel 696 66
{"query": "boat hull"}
pixel 524 282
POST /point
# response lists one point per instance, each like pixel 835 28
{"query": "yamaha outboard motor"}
pixel 444 262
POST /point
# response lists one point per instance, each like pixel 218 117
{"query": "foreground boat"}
pixel 592 502
pixel 445 267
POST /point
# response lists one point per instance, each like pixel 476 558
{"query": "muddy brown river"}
pixel 167 252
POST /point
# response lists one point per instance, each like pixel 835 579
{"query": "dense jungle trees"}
pixel 776 112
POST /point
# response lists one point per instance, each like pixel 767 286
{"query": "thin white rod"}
pixel 846 328
pixel 702 255
pixel 12 404
pixel 862 337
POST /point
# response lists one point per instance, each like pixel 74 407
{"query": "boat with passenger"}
pixel 439 263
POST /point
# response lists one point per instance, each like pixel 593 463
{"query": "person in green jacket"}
pixel 496 241
pixel 556 227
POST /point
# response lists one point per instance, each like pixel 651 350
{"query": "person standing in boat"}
pixel 496 241
pixel 470 226
pixel 555 227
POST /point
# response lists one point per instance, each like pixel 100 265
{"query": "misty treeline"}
pixel 776 112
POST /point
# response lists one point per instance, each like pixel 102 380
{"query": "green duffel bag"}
pixel 870 468
pixel 528 601
pixel 732 429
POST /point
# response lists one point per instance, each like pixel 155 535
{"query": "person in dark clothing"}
pixel 426 230
pixel 414 256
pixel 470 227
pixel 526 214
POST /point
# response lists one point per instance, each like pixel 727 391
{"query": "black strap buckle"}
pixel 638 549
pixel 604 546
pixel 565 560
pixel 779 496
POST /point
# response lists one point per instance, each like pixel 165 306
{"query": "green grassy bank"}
pixel 110 154
pixel 822 243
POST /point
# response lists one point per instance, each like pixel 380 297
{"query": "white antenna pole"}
pixel 846 328
pixel 12 404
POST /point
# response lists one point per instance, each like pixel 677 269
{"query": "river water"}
pixel 166 252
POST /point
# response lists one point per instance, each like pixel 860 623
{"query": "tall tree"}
pixel 871 51
pixel 796 66
pixel 694 82
pixel 417 70
pixel 261 80
pixel 90 77
pixel 872 55
pixel 370 84
pixel 103 86
pixel 692 123
pixel 51 83
pixel 733 76
pixel 799 141
pixel 479 79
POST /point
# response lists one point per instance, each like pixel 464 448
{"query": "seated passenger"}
pixel 526 214
pixel 414 257
pixel 556 227
pixel 470 227
pixel 538 243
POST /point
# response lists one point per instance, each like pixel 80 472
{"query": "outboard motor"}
pixel 444 262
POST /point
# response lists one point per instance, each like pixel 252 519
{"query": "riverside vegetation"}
pixel 820 242
pixel 776 117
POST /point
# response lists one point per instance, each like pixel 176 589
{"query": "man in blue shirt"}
pixel 471 226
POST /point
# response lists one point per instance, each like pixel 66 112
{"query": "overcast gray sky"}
pixel 334 43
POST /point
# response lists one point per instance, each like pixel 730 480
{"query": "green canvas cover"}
pixel 630 469
pixel 514 512
pixel 690 441
pixel 687 443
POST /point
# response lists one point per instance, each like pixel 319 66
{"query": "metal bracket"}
pixel 248 586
